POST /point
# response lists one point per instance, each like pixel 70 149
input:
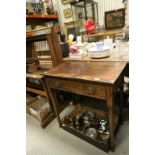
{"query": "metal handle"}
pixel 57 84
pixel 91 90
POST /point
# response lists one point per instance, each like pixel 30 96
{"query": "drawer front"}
pixel 82 88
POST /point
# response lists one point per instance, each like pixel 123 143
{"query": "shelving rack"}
pixel 34 20
pixel 55 57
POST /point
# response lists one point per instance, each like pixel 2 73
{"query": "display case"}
pixel 81 11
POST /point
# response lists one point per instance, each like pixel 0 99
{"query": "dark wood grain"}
pixel 56 43
pixel 100 72
pixel 111 115
pixel 52 49
pixel 81 88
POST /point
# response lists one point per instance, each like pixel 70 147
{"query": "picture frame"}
pixel 67 13
pixel 115 19
pixel 66 1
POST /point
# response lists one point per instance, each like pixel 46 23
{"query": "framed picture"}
pixel 115 19
pixel 67 13
pixel 66 1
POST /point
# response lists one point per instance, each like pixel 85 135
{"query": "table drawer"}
pixel 82 88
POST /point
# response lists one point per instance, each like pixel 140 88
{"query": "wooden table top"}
pixel 112 57
pixel 104 72
pixel 36 74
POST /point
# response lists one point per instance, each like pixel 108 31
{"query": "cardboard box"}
pixel 40 109
pixel 29 101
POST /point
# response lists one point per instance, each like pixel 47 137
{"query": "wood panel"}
pixel 86 89
pixel 36 91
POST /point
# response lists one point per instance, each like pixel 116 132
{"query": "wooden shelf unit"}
pixel 56 58
pixel 51 58
pixel 35 20
pixel 30 33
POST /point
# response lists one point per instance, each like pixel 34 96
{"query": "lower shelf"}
pixel 101 144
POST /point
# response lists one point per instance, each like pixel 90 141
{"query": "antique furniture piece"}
pixel 81 11
pixel 53 57
pixel 98 80
pixel 115 19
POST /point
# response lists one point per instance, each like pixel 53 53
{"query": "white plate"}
pixel 95 49
pixel 96 53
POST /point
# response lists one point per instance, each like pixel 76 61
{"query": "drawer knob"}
pixel 57 84
pixel 91 90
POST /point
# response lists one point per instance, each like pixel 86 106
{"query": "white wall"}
pixel 103 5
pixel 127 13
pixel 107 5
pixel 60 9
pixel 32 1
